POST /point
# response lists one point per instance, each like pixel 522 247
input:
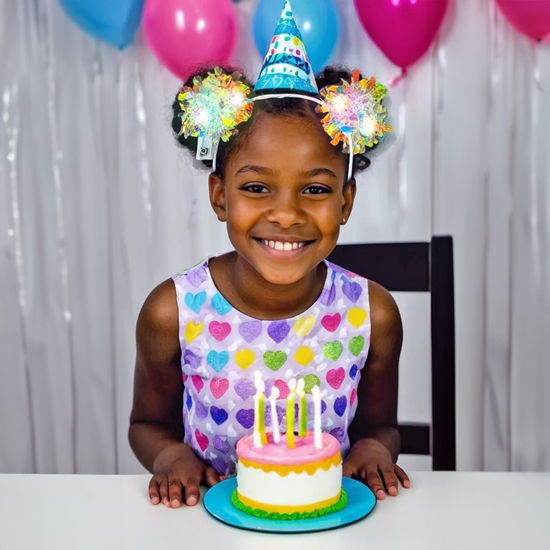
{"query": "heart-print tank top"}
pixel 222 348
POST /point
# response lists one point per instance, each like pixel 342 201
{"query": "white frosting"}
pixel 292 489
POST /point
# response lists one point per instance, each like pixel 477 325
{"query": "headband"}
pixel 213 107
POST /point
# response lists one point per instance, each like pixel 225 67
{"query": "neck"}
pixel 253 295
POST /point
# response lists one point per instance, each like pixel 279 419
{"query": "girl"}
pixel 273 304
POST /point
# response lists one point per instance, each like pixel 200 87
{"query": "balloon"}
pixel 531 17
pixel 316 19
pixel 115 22
pixel 402 29
pixel 185 34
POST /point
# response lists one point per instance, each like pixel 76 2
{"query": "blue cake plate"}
pixel 361 501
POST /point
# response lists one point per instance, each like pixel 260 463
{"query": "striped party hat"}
pixel 286 66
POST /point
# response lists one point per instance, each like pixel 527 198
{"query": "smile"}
pixel 281 245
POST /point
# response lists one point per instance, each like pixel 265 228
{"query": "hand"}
pixel 177 469
pixel 370 462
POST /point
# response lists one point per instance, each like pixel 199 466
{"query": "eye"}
pixel 317 190
pixel 255 188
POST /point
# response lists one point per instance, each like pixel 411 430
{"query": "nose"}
pixel 286 210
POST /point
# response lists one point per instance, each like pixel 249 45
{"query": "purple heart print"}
pixel 278 330
pixel 250 330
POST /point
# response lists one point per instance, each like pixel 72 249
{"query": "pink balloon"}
pixel 402 29
pixel 531 17
pixel 185 34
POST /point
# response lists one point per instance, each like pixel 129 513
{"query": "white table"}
pixel 442 511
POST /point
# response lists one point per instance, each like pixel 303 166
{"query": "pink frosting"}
pixel 279 454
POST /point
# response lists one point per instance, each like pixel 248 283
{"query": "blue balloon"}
pixel 114 21
pixel 317 20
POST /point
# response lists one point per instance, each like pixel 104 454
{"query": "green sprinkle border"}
pixel 336 507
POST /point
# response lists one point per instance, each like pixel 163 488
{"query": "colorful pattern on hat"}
pixel 286 65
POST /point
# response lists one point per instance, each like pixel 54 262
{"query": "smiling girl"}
pixel 274 304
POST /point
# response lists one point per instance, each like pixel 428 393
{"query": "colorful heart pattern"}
pixel 219 387
pixel 195 301
pixel 217 359
pixel 250 330
pixel 244 388
pixel 220 331
pixel 274 360
pixel 335 377
pixel 202 440
pixel 222 349
pixel 331 322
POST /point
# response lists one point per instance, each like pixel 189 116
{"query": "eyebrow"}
pixel 264 170
pixel 255 169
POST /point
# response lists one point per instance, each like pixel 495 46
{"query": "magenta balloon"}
pixel 531 17
pixel 402 29
pixel 185 34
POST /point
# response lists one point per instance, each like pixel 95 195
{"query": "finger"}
pixel 174 492
pixel 163 488
pixel 348 469
pixel 154 492
pixel 375 483
pixel 192 492
pixel 390 480
pixel 211 477
pixel 402 476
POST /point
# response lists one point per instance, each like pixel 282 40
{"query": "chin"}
pixel 281 274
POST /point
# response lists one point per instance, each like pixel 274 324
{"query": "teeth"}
pixel 279 245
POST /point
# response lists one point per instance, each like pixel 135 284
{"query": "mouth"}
pixel 284 247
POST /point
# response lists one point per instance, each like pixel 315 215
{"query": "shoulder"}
pixel 159 313
pixel 386 323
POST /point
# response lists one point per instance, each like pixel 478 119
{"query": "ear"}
pixel 348 198
pixel 216 189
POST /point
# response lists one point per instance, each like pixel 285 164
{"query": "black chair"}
pixel 420 267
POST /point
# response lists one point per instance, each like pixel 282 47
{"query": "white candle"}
pixel 274 418
pixel 316 395
pixel 302 408
pixel 259 411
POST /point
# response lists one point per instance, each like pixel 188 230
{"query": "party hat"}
pixel 286 66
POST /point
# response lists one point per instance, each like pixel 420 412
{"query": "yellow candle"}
pixel 260 437
pixel 261 419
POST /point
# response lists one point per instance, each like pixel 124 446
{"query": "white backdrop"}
pixel 97 206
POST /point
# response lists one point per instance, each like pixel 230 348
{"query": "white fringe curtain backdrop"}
pixel 97 206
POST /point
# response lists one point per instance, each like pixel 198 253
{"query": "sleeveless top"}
pixel 222 348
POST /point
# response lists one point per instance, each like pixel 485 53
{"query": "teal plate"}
pixel 361 501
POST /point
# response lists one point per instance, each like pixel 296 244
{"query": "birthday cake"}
pixel 276 481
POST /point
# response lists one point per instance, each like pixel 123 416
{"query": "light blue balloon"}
pixel 317 20
pixel 114 21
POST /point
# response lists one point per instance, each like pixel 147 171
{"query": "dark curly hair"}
pixel 285 107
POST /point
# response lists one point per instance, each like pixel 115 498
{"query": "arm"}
pixel 373 433
pixel 156 424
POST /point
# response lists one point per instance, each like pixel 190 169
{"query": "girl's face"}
pixel 283 197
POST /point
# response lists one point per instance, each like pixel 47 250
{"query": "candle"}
pixel 302 416
pixel 260 437
pixel 316 395
pixel 290 414
pixel 274 418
